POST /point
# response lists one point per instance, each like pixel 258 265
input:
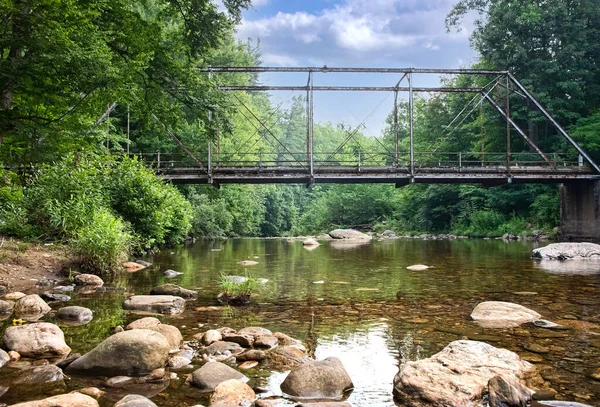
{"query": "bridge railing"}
pixel 358 160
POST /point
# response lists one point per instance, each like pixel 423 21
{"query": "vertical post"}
pixel 358 161
pixel 209 168
pixel 158 160
pixel 459 160
pixel 128 130
pixel 107 125
pixel 395 128
pixel 410 124
pixel 507 124
pixel 309 124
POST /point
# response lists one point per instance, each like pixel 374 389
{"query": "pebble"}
pixel 248 365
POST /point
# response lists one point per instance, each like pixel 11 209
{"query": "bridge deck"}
pixel 393 175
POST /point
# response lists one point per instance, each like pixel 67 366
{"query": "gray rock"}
pixel 219 348
pixel 159 304
pixel 3 290
pixel 286 357
pixel 173 289
pixel 254 331
pixel 458 375
pixel 244 340
pixel 64 400
pixel 64 288
pixel 232 393
pixel 349 234
pixel 6 307
pixel 129 353
pixel 4 358
pixel 40 339
pixel 557 403
pixel 210 375
pixel 252 354
pixel 266 341
pixel 317 380
pixel 50 296
pixel 542 323
pixel 70 359
pixel 143 263
pixel 567 251
pixel 171 273
pixel 134 400
pixel 211 336
pixel 75 315
pixel 499 314
pixel 505 391
pixel 39 375
pixel 88 279
pixel 31 307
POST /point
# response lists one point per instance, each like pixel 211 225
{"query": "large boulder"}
pixel 323 379
pixel 500 314
pixel 64 400
pixel 232 393
pixel 458 375
pixel 173 289
pixel 157 304
pixel 568 251
pixel 75 315
pixel 349 234
pixel 37 340
pixel 210 375
pixel 31 307
pixel 129 353
pixel 135 400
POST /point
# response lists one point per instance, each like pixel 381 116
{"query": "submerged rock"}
pixel 567 251
pixel 158 304
pixel 173 289
pixel 349 234
pixel 74 399
pixel 458 375
pixel 310 242
pixel 37 340
pixel 129 353
pixel 500 314
pixel 210 375
pixel 325 379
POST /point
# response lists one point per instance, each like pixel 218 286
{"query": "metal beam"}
pixel 410 124
pixel 554 122
pixel 519 130
pixel 325 69
pixel 348 88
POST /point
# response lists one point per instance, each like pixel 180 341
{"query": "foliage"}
pixel 232 288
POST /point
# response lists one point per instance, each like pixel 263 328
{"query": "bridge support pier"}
pixel 580 211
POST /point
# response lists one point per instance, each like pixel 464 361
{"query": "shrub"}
pixel 102 244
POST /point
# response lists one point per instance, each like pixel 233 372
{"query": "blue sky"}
pixel 355 33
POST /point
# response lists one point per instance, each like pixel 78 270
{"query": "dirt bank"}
pixel 22 265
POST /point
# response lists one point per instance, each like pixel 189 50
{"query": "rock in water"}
pixel 75 315
pixel 418 267
pixel 38 340
pixel 173 289
pixel 172 273
pixel 31 307
pixel 567 251
pixel 310 242
pixel 129 353
pixel 135 400
pixel 458 375
pixel 506 391
pixel 210 375
pixel 64 400
pixel 247 263
pixel 88 279
pixel 499 314
pixel 316 380
pixel 158 304
pixel 4 358
pixel 39 375
pixel 348 234
pixel 232 393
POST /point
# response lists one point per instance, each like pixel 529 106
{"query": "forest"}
pixel 85 86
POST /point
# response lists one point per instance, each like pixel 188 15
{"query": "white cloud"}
pixel 278 60
pixel 259 3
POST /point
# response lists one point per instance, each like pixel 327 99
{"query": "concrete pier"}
pixel 580 211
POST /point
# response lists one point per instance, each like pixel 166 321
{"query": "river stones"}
pixel 211 374
pixel 39 375
pixel 286 357
pixel 310 242
pixel 252 355
pixel 266 341
pixel 158 304
pixel 232 393
pixel 173 289
pixel 4 358
pixel 50 296
pixel 6 307
pixel 326 404
pixel 135 400
pixel 31 307
pixel 129 353
pixel 88 279
pixel 349 234
pixel 74 399
pixel 318 379
pixel 211 336
pixel 75 315
pixel 505 391
pixel 14 296
pixel 221 347
pixel 254 331
pixel 458 375
pixel 242 339
pixel 36 340
pixel 172 273
pixel 500 314
pixel 247 263
pixel 567 251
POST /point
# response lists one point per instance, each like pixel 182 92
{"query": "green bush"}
pixel 102 244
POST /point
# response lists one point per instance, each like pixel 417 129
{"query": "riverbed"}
pixel 357 301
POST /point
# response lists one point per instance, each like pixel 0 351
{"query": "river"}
pixel 359 302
